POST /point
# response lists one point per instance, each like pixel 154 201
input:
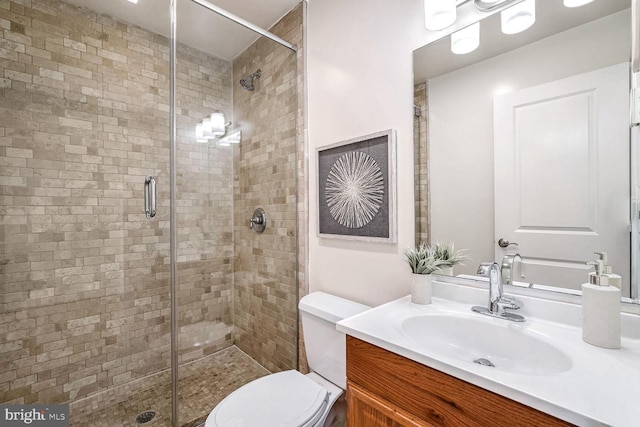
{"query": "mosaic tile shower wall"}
pixel 265 302
pixel 421 163
pixel 204 209
pixel 84 296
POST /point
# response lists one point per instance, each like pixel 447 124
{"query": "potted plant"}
pixel 449 256
pixel 422 260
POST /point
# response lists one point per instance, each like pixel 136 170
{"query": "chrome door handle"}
pixel 150 207
pixel 503 243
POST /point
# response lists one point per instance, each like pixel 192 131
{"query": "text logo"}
pixel 35 415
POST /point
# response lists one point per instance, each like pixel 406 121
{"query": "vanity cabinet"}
pixel 386 389
pixel 366 409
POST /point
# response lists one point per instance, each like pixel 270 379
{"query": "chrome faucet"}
pixel 507 268
pixel 498 303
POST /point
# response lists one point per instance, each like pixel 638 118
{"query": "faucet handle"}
pixel 509 303
pixel 483 269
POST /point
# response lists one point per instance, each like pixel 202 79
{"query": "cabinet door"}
pixel 367 410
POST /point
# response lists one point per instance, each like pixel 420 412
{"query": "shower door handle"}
pixel 150 208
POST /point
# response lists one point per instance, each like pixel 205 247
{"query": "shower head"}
pixel 247 82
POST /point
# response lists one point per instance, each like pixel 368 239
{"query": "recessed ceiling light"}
pixel 133 1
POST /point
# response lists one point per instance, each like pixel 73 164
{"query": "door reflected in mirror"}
pixel 526 139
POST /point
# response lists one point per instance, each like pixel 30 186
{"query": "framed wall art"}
pixel 357 189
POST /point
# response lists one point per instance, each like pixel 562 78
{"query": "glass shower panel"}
pixel 84 275
pixel 237 288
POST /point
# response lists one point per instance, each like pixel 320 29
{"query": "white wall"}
pixel 461 155
pixel 359 62
pixel 359 82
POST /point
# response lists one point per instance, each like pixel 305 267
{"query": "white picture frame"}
pixel 356 184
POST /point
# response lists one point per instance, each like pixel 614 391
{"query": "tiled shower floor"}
pixel 202 384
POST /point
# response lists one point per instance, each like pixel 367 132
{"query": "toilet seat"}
pixel 284 399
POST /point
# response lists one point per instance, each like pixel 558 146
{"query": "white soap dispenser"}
pixel 600 308
pixel 614 279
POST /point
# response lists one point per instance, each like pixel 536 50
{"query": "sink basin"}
pixel 507 346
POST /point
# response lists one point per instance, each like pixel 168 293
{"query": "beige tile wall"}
pixel 298 39
pixel 84 297
pixel 265 304
pixel 421 163
pixel 204 209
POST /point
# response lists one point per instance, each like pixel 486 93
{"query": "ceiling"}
pixel 197 26
pixel 551 18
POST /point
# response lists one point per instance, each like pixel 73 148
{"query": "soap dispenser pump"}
pixel 600 308
pixel 614 279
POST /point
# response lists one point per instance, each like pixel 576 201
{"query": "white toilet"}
pixel 289 398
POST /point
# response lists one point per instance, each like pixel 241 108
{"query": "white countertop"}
pixel 601 388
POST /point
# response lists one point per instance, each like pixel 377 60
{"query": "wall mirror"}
pixel 526 141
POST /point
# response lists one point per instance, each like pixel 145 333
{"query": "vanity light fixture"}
pixel 206 129
pixel 235 137
pixel 217 124
pixel 516 15
pixel 519 17
pixel 576 3
pixel 212 128
pixel 232 138
pixel 466 40
pixel 439 14
pixel 200 133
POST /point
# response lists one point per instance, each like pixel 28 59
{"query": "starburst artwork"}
pixel 355 189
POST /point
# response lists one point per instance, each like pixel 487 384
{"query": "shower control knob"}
pixel 259 220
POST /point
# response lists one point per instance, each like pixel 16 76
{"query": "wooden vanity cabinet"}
pixel 366 409
pixel 388 390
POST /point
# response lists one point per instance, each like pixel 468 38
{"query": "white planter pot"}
pixel 421 289
pixel 446 271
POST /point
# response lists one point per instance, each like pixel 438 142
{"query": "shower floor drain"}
pixel 145 417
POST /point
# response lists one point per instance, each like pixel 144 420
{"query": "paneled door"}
pixel 561 172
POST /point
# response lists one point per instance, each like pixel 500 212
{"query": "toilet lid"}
pixel 284 399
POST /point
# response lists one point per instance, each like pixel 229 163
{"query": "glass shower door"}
pixel 84 276
pixel 236 287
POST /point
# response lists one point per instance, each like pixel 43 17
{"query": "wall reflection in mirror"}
pixel 525 141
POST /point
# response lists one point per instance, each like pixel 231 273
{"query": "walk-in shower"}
pixel 104 306
pixel 248 82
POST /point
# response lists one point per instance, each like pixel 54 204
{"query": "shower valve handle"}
pixel 259 220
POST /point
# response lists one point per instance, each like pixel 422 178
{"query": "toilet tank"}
pixel 324 345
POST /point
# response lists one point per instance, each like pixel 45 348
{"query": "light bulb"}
pixel 206 129
pixel 217 124
pixel 466 40
pixel 200 133
pixel 576 3
pixel 519 17
pixel 439 14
